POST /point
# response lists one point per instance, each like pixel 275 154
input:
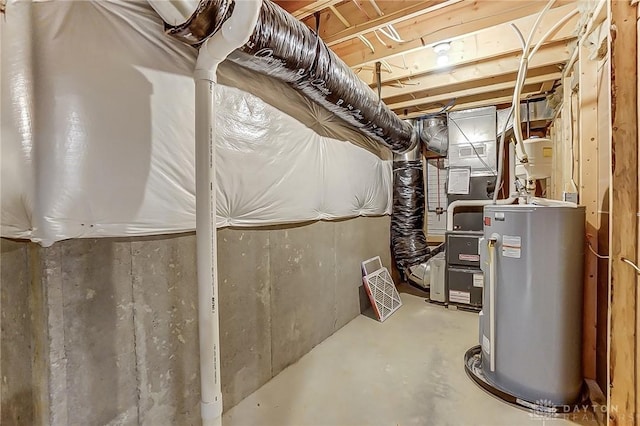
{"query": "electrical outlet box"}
pixel 571 197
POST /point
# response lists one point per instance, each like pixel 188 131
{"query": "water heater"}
pixel 531 322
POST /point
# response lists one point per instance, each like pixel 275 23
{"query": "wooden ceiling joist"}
pixel 484 45
pixel 473 91
pixel 475 101
pixel 483 56
pixel 555 54
pixel 304 8
pixel 491 27
pixel 334 36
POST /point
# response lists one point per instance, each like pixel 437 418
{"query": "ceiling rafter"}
pixel 483 45
pixel 555 54
pixel 475 101
pixel 483 17
pixel 393 18
pixel 483 57
pixel 473 91
pixel 304 8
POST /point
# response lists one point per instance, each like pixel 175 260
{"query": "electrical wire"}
pixel 386 34
pixel 444 109
pixel 395 32
pixel 633 265
pixel 392 34
pixel 367 43
pixel 382 42
pixel 519 34
pixel 599 256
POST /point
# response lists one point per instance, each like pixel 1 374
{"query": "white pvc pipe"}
pixel 208 321
pixel 174 12
pixel 552 31
pixel 522 75
pixel 235 32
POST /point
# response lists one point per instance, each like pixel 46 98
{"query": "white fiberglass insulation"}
pixel 98 135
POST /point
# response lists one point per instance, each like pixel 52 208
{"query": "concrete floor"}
pixel 405 371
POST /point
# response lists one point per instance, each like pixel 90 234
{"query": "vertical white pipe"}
pixel 235 32
pixel 208 326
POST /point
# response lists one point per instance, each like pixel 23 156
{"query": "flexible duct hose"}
pixel 408 242
pixel 284 48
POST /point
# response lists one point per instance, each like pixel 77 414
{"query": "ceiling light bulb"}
pixel 442 48
pixel 442 60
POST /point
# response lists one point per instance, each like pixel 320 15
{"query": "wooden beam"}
pixel 548 86
pixel 400 15
pixel 496 98
pixel 624 220
pixel 495 42
pixel 604 187
pixel 476 90
pixel 546 57
pixel 488 80
pixel 303 8
pixel 588 196
pixel 493 22
pixel 568 139
pixel 455 21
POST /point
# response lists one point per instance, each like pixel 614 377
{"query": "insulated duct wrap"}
pixel 408 242
pixel 284 48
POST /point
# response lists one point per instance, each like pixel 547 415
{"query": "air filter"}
pixel 380 287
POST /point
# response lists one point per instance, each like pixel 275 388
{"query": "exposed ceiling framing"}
pixel 482 59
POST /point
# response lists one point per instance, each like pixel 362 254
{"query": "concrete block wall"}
pixel 104 331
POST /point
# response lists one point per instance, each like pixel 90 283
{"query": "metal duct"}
pixel 285 48
pixel 434 133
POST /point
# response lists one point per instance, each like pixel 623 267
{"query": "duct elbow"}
pixel 435 135
pixel 236 31
pixel 239 27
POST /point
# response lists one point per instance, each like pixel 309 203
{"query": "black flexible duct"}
pixel 285 48
pixel 408 242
